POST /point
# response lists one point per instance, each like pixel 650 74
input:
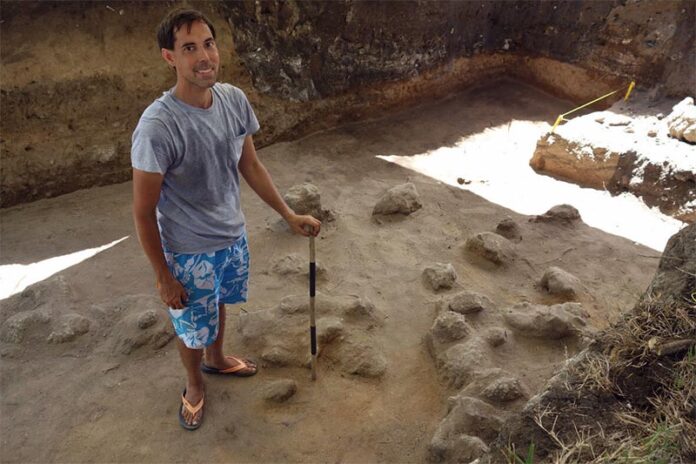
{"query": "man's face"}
pixel 195 55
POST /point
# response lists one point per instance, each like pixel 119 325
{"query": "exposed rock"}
pixel 147 319
pixel 449 326
pixel 459 362
pixel 360 359
pixel 279 391
pixel 675 279
pixel 16 326
pixel 343 332
pixel 556 281
pixel 503 389
pixel 560 214
pixel 293 304
pixel 351 306
pixel 294 264
pixel 306 199
pixel 469 302
pixel 329 329
pixel 280 356
pixel 470 416
pixel 491 247
pixel 359 308
pixel 440 276
pixel 129 333
pixel 613 119
pixel 509 229
pixel 495 336
pixel 455 448
pixel 73 325
pixel 553 322
pixel 682 121
pixel 402 199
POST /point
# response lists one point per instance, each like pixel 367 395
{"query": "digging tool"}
pixel 312 321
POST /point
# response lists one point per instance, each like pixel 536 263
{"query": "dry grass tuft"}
pixel 640 377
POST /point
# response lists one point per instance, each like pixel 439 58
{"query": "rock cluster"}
pixel 344 333
pixel 465 355
pixel 39 315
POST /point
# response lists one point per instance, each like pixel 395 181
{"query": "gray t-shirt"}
pixel 197 150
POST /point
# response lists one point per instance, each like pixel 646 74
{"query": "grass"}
pixel 647 399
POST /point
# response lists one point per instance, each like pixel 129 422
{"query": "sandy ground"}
pixel 82 401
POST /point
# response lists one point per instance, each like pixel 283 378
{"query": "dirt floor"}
pixel 86 401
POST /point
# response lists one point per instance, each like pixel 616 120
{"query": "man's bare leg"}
pixel 214 356
pixel 191 359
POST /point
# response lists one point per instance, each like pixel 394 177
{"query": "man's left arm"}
pixel 258 178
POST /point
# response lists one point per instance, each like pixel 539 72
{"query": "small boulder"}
pixel 294 264
pixel 402 199
pixel 470 416
pixel 491 247
pixel 73 325
pixel 556 281
pixel 682 121
pixel 360 359
pixel 449 327
pixel 503 389
pixel 147 319
pixel 279 391
pixel 469 302
pixel 495 336
pixel 552 322
pixel 306 199
pixel 456 447
pixel 15 328
pixel 293 304
pixel 509 229
pixel 440 276
pixel 459 362
pixel 560 214
pixel 329 329
pixel 278 356
pixel 359 308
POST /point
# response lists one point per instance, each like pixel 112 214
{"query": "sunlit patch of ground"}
pixel 495 165
pixel 14 278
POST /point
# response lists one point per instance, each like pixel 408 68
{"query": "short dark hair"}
pixel 174 21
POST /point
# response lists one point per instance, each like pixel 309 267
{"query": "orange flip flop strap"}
pixel 238 367
pixel 189 407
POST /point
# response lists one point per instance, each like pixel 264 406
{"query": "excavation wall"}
pixel 71 97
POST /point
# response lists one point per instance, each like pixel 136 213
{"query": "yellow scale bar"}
pixel 561 117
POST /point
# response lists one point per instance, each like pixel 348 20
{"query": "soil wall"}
pixel 71 96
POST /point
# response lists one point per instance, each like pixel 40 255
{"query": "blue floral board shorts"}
pixel 209 279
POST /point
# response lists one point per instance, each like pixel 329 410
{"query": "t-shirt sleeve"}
pixel 251 124
pixel 151 148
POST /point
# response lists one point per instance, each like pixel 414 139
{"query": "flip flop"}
pixel 191 409
pixel 234 370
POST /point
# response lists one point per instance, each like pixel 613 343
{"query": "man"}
pixel 188 150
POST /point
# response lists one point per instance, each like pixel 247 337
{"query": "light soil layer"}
pixel 81 401
pixel 624 149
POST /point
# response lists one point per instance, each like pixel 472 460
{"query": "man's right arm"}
pixel 146 191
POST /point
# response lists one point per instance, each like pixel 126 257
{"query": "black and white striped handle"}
pixel 312 319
